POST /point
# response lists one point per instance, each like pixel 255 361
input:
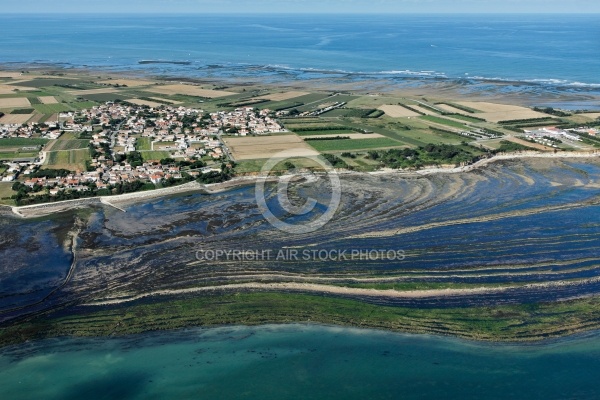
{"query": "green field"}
pixel 6 192
pixel 82 105
pixel 104 97
pixel 246 166
pixel 353 144
pixel 68 159
pixel 16 154
pixel 23 142
pixel 22 111
pixel 46 82
pixel 444 121
pixel 144 144
pixel 69 144
pixel 155 155
pixel 465 118
pixel 51 108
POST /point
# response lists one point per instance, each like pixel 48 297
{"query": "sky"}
pixel 304 6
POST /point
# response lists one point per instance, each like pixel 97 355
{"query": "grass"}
pixel 82 105
pixel 69 144
pixel 104 97
pixel 354 144
pixel 22 111
pixel 6 192
pixel 498 323
pixel 155 155
pixel 24 142
pixel 247 166
pixel 45 82
pixel 444 121
pixel 406 137
pixel 51 108
pixel 16 154
pixel 465 118
pixel 144 144
pixel 68 159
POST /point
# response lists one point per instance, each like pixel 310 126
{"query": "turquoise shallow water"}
pixel 298 362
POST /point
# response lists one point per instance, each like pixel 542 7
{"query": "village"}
pixel 127 143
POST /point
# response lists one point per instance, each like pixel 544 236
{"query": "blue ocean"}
pixel 553 52
pixel 297 362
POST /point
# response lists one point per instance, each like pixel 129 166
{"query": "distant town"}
pixel 191 139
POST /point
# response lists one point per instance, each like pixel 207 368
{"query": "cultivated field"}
pixel 48 99
pixel 422 109
pixel 493 112
pixel 51 108
pixel 127 82
pixel 11 74
pixel 159 99
pixel 7 89
pixel 92 91
pixel 591 115
pixel 15 118
pixel 144 102
pixel 14 102
pixel 356 144
pixel 449 108
pixel 250 148
pixel 68 159
pixel 155 155
pixel 397 111
pixel 283 96
pixel 67 144
pixel 190 90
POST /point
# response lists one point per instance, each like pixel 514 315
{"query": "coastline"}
pixel 531 92
pixel 44 209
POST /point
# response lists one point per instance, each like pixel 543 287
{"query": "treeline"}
pixel 327 138
pixel 431 154
pixel 51 173
pixel 412 109
pixel 323 128
pixel 373 113
pixel 461 107
pixel 336 162
pixel 507 146
pixel 527 120
pixel 552 111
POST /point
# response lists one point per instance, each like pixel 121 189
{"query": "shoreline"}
pixel 44 209
pixel 366 83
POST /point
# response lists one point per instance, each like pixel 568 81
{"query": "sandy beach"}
pixel 337 290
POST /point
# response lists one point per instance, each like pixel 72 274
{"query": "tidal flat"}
pixel 503 253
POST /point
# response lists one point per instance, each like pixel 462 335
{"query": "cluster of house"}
pixel 246 121
pixel 112 174
pixel 545 135
pixel 117 128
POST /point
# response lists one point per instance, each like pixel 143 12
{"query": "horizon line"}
pixel 208 12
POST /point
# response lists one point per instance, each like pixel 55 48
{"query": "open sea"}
pixel 297 362
pixel 555 53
